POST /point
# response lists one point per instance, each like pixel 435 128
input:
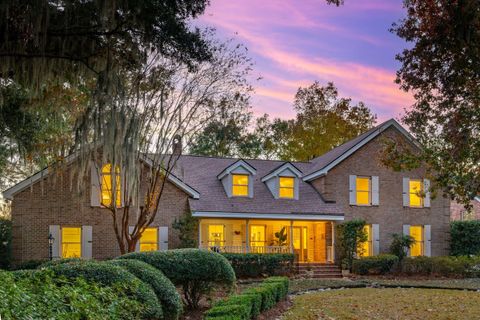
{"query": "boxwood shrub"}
pixel 40 295
pixel 251 302
pixel 379 264
pixel 197 271
pixel 161 285
pixel 258 264
pixel 109 275
pixel 446 266
pixel 465 238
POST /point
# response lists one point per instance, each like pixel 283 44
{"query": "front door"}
pixel 300 241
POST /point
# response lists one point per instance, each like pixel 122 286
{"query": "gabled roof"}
pixel 287 165
pixel 322 164
pixel 9 193
pixel 239 163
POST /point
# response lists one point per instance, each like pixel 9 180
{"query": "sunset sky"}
pixel 294 43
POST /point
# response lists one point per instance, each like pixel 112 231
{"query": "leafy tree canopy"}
pixel 441 68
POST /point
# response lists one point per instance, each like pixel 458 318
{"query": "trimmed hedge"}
pixel 109 275
pixel 197 271
pixel 446 266
pixel 251 302
pixel 259 264
pixel 29 264
pixel 41 295
pixel 465 238
pixel 379 264
pixel 163 288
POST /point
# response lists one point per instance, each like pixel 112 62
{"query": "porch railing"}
pixel 247 249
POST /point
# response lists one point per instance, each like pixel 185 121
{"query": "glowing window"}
pixel 216 235
pixel 107 186
pixel 149 240
pixel 415 187
pixel 363 191
pixel 286 187
pixel 240 185
pixel 71 242
pixel 416 232
pixel 365 249
pixel 257 236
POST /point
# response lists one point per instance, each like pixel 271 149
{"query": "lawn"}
pixel 388 303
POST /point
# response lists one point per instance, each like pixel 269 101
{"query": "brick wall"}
pixel 458 211
pixel 390 214
pixel 56 201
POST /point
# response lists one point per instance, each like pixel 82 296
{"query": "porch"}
pixel 310 241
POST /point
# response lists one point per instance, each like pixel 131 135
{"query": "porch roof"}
pixel 268 216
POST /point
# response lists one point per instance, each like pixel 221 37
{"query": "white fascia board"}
pixel 352 150
pixel 22 185
pixel 477 198
pixel 266 216
pixel 176 181
pixel 284 166
pixel 236 164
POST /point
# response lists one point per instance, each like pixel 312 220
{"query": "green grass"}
pixel 390 303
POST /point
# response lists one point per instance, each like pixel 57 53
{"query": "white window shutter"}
pixel 406 192
pixel 54 231
pixel 406 232
pixel 95 189
pixel 163 238
pixel 375 239
pixel 87 242
pixel 427 240
pixel 375 191
pixel 426 189
pixel 137 246
pixel 353 190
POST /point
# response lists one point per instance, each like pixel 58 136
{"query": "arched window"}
pixel 107 185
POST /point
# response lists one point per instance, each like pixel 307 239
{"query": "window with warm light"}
pixel 216 235
pixel 415 187
pixel 286 187
pixel 363 191
pixel 365 248
pixel 149 240
pixel 240 185
pixel 107 185
pixel 257 236
pixel 416 232
pixel 71 242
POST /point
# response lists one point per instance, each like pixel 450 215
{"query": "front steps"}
pixel 318 271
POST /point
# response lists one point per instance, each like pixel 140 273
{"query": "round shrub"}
pixel 59 261
pixel 380 264
pixel 161 285
pixel 197 271
pixel 110 275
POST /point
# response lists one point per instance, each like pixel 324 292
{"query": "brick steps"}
pixel 318 271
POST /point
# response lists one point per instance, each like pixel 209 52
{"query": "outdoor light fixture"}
pixel 51 239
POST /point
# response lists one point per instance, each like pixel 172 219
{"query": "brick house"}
pixel 459 213
pixel 247 205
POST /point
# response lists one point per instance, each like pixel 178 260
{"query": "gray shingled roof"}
pixel 201 174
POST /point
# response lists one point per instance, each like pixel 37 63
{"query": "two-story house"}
pixel 246 205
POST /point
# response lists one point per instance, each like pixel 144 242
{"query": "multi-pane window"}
pixel 286 187
pixel 149 240
pixel 240 185
pixel 107 185
pixel 416 232
pixel 257 236
pixel 365 248
pixel 71 242
pixel 415 190
pixel 363 188
pixel 216 235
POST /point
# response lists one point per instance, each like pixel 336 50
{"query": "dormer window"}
pixel 284 181
pixel 237 179
pixel 240 185
pixel 286 187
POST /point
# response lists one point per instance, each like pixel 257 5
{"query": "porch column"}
pixel 291 236
pixel 199 233
pixel 333 241
pixel 247 235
